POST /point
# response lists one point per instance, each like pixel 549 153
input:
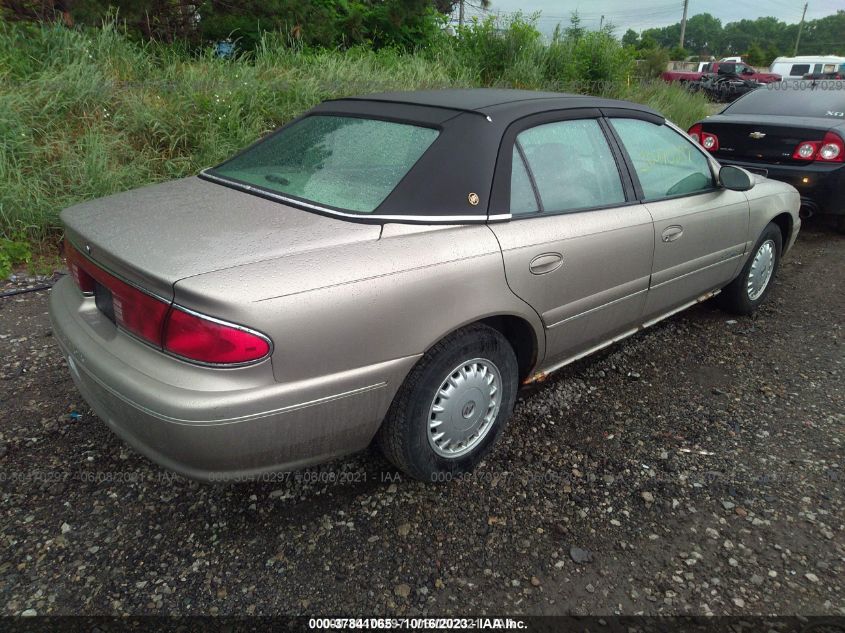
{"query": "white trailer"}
pixel 797 67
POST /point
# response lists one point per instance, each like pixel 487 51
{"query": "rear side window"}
pixel 345 162
pixel 572 167
pixel 523 198
pixel 667 164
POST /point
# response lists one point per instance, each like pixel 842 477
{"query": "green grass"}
pixel 84 114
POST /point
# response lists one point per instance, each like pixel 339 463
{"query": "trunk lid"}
pixel 739 136
pixel 157 235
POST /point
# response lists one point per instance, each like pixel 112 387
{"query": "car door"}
pixel 579 246
pixel 700 228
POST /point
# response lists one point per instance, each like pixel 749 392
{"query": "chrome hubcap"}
pixel 464 408
pixel 761 270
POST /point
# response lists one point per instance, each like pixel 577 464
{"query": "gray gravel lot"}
pixel 695 468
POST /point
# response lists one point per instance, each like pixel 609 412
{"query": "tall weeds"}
pixel 86 113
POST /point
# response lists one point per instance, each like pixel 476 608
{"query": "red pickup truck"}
pixel 726 68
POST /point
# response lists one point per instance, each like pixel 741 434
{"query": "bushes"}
pixel 86 113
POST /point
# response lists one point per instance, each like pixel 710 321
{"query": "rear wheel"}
pixel 750 289
pixel 452 406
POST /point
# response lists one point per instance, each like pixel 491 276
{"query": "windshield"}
pixel 826 99
pixel 345 162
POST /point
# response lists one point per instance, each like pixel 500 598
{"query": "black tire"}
pixel 404 434
pixel 735 297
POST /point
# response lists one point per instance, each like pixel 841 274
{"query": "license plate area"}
pixel 104 301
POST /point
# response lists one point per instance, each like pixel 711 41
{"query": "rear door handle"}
pixel 545 263
pixel 671 233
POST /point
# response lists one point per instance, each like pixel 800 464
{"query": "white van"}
pixel 797 67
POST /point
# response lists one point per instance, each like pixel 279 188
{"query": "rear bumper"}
pixel 212 424
pixel 821 186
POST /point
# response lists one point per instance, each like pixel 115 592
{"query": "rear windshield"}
pixel 826 99
pixel 348 163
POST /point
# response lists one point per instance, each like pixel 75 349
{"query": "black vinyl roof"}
pixel 488 101
pixel 453 180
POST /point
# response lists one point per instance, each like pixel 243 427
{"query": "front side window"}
pixel 667 164
pixel 572 166
pixel 799 70
pixel 345 162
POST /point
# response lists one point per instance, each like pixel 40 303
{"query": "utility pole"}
pixel 684 22
pixel 601 23
pixel 461 13
pixel 800 28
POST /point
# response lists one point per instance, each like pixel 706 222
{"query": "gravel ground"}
pixel 696 468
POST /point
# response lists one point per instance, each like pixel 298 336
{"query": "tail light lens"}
pixel 207 340
pixel 136 311
pixel 84 281
pixel 186 334
pixel 830 149
pixel 708 141
pixel 695 132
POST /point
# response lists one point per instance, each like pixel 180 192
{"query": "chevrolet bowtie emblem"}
pixel 757 134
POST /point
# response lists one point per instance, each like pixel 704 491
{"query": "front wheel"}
pixel 750 289
pixel 452 406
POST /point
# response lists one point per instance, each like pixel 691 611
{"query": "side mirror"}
pixel 735 178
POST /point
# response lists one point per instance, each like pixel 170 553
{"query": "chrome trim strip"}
pixel 703 297
pixel 234 326
pixel 591 350
pixel 604 305
pixel 698 270
pixel 108 270
pixel 540 375
pixel 221 421
pixel 172 305
pixel 413 219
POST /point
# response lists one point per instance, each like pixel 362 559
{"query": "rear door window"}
pixel 571 165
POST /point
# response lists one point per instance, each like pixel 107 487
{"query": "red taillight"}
pixel 138 312
pixel 134 310
pixel 186 334
pixel 200 338
pixel 83 280
pixel 831 149
pixel 695 132
pixel 708 141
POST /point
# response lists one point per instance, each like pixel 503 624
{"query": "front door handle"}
pixel 671 233
pixel 545 263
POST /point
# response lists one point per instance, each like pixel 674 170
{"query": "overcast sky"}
pixel 643 14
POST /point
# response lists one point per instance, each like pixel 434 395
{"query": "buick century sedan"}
pixel 393 267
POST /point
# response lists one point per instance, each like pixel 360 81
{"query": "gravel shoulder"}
pixel 695 468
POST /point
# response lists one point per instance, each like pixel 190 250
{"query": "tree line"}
pixel 404 24
pixel 758 41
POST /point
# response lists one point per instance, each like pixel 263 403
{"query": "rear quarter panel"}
pixel 357 305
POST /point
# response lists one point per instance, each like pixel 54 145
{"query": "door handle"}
pixel 671 233
pixel 545 263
